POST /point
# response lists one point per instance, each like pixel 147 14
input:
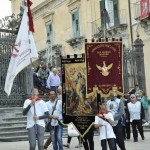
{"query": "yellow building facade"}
pixel 66 23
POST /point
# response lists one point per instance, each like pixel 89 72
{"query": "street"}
pixel 130 145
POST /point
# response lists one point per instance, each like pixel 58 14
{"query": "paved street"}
pixel 130 145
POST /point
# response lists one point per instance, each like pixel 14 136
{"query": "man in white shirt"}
pixel 36 111
pixel 104 121
pixel 55 113
pixel 116 107
pixel 53 81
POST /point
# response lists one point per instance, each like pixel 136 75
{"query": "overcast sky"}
pixel 5 8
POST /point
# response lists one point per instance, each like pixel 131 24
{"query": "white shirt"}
pixel 53 80
pixel 57 112
pixel 40 108
pixel 134 110
pixel 106 125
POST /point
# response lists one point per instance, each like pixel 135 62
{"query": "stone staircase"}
pixel 13 125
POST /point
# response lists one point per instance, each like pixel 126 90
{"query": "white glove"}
pixel 106 116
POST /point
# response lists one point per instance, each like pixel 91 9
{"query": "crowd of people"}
pixel 47 77
pixel 114 119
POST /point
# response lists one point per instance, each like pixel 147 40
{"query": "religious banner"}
pixel 144 5
pixel 78 107
pixel 104 67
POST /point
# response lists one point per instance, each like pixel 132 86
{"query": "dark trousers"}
pixel 88 142
pixel 137 124
pixel 111 143
pixel 69 139
pixel 128 131
pixel 119 136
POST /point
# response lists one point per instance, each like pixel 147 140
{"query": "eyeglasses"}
pixel 132 97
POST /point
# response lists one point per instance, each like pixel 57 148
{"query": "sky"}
pixel 5 8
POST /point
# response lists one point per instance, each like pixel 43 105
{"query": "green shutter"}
pixel 116 16
pixel 75 23
pixel 102 7
pixel 49 29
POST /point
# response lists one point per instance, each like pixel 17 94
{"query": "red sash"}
pixel 37 99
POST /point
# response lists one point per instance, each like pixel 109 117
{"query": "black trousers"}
pixel 88 141
pixel 69 139
pixel 128 131
pixel 137 124
pixel 119 136
pixel 111 143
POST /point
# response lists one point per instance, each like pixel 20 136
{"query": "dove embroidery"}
pixel 105 69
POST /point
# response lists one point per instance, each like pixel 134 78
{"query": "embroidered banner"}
pixel 144 5
pixel 78 107
pixel 104 67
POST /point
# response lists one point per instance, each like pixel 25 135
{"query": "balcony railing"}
pixel 94 28
pixel 72 32
pixel 121 19
pixel 136 8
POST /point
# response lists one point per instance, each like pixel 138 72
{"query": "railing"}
pixel 121 19
pixel 94 28
pixel 72 32
pixel 136 8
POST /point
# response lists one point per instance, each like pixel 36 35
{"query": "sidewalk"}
pixel 130 145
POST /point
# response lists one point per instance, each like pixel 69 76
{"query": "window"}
pixel 49 31
pixel 109 13
pixel 75 23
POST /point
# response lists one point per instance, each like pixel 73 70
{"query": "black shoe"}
pixel 135 140
pixel 67 145
pixel 143 138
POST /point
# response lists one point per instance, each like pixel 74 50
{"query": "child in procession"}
pixel 104 121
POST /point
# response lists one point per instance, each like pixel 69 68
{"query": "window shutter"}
pixel 75 23
pixel 49 30
pixel 116 16
pixel 102 7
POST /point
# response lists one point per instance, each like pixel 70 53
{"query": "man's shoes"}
pixel 135 140
pixel 78 146
pixel 146 124
pixel 143 138
pixel 67 145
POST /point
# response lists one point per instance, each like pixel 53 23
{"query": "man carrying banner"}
pixel 116 106
pixel 36 111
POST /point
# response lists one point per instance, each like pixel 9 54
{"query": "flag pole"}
pixel 28 3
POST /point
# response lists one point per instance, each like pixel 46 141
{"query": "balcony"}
pixel 73 36
pixel 136 8
pixel 94 29
pixel 119 22
pixel 116 27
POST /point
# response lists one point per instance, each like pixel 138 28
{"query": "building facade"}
pixel 62 25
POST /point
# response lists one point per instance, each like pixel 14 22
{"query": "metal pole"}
pixel 31 68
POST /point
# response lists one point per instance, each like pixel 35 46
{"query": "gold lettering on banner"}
pixel 119 68
pixel 104 53
pixel 104 70
pixel 89 68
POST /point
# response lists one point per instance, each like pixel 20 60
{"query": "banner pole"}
pixel 27 4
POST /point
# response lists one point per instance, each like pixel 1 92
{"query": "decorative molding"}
pixel 146 26
pixel 74 4
pixel 76 42
pixel 45 7
pixel 47 16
